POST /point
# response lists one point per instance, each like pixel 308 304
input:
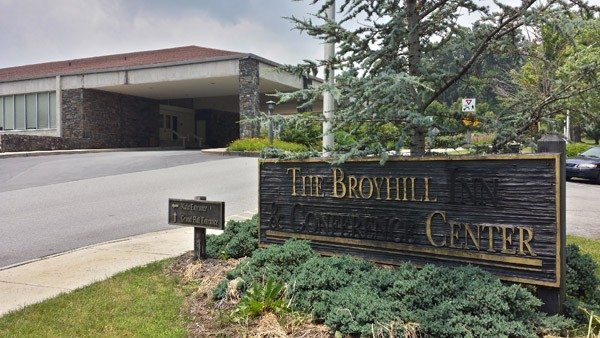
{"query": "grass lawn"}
pixel 139 302
pixel 588 246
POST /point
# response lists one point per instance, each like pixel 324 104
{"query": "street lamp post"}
pixel 270 107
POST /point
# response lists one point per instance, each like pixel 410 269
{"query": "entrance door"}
pixel 169 124
pixel 177 123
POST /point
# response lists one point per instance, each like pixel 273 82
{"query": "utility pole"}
pixel 328 101
pixel 567 131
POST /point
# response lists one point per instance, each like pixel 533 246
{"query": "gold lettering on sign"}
pixel 469 236
pixel 454 229
pixel 389 188
pixel 338 180
pixel 525 242
pixel 491 237
pixel 294 170
pixel 312 185
pixel 428 231
pixel 426 199
pixel 352 184
pixel 361 187
pixel 507 239
pixel 403 188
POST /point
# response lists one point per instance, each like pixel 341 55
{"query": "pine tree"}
pixel 388 59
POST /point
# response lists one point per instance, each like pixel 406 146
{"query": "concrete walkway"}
pixel 38 280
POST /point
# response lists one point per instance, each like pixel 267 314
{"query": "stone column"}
pixel 249 97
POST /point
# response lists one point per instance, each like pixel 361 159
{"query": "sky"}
pixel 35 31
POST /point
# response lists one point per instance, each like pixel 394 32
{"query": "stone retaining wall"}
pixel 18 142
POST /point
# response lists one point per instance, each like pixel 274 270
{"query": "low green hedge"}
pixel 238 240
pixel 356 297
pixel 259 144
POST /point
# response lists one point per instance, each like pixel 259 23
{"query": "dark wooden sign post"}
pixel 554 297
pixel 201 214
pixel 502 213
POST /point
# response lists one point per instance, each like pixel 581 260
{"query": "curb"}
pixel 82 151
pixel 231 153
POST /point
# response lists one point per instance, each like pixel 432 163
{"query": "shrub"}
pixel 300 129
pixel 354 296
pixel 276 261
pixel 448 141
pixel 238 240
pixel 258 144
pixel 574 149
pixel 581 284
pixel 465 301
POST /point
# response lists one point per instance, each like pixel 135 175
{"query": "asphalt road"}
pixel 52 204
pixel 583 208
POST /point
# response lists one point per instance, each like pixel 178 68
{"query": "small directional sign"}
pixel 196 213
pixel 468 105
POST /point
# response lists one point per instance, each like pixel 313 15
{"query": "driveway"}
pixel 52 204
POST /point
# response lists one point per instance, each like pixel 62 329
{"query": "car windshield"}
pixel 592 152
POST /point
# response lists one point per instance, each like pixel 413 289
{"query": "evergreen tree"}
pixel 395 63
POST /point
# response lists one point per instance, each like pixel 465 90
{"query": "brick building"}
pixel 140 99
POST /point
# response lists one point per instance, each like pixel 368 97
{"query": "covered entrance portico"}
pixel 200 105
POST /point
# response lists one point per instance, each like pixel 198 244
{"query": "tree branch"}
pixel 432 8
pixel 480 49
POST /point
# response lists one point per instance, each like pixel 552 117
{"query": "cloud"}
pixel 38 31
pixel 34 31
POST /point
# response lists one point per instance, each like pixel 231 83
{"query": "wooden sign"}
pixel 197 213
pixel 501 213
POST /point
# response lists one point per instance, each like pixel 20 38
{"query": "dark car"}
pixel 585 165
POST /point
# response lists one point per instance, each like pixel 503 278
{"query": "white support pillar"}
pixel 328 101
pixel 567 131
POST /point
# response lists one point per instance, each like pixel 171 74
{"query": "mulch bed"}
pixel 212 318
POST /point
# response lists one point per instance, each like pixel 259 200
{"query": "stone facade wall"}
pixel 221 127
pixel 249 97
pixel 20 142
pixel 110 120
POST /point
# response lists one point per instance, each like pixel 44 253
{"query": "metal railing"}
pixel 199 140
pixel 184 139
pixel 181 137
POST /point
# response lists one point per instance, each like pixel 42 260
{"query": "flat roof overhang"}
pixel 217 77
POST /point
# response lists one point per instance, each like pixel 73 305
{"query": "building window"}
pixel 9 112
pixel 1 113
pixel 20 112
pixel 28 111
pixel 31 111
pixel 43 113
